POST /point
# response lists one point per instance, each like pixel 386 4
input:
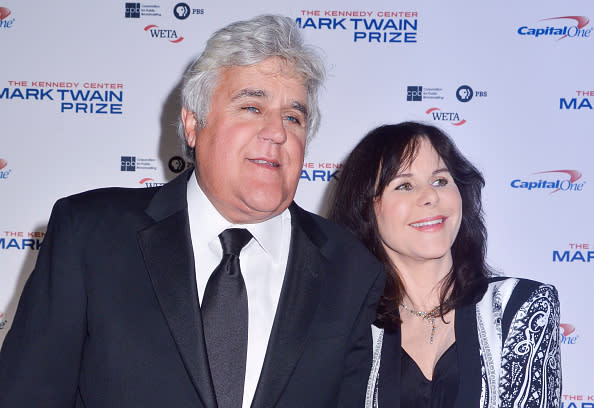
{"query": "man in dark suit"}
pixel 121 309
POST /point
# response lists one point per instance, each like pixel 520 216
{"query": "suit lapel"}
pixel 469 363
pixel 298 302
pixel 389 374
pixel 167 250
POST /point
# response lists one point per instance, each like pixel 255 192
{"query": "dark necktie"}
pixel 225 319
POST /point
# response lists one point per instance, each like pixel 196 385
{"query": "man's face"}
pixel 250 153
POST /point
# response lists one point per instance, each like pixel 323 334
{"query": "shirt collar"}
pixel 211 223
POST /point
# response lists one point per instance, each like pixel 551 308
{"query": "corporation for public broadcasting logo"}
pixel 138 10
pixel 128 163
pixel 134 163
pixel 551 181
pixel 574 27
pixel 418 93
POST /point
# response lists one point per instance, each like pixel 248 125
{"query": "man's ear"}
pixel 190 124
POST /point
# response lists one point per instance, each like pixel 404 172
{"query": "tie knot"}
pixel 234 239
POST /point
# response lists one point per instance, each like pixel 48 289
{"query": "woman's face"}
pixel 419 212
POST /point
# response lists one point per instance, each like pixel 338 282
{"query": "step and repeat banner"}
pixel 89 98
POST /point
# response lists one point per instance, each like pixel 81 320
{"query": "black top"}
pixel 418 392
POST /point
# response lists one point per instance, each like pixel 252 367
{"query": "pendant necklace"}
pixel 429 316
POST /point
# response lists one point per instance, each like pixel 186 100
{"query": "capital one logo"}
pixel 566 333
pixel 4 12
pixel 4 22
pixel 562 27
pixel 552 181
pixel 4 173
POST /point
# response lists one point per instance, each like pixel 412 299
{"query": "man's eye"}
pixel 251 109
pixel 292 119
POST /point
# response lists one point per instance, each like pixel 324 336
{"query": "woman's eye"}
pixel 404 187
pixel 440 182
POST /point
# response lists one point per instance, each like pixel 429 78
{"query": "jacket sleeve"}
pixel 40 358
pixel 531 360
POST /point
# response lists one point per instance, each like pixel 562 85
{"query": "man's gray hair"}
pixel 246 43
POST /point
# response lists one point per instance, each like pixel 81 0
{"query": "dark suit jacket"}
pixel 110 315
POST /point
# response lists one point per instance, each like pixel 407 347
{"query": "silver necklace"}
pixel 429 316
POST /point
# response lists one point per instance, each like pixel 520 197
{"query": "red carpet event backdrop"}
pixel 89 98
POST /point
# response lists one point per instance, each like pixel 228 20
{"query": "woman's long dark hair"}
pixel 370 167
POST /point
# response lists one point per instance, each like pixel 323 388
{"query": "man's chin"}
pixel 263 208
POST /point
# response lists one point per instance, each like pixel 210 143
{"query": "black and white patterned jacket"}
pixel 507 345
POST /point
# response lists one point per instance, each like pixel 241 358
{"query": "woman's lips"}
pixel 429 224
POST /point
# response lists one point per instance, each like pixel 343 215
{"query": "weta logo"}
pixel 149 182
pixel 452 117
pixel 160 33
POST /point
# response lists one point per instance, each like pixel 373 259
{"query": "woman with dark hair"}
pixel 448 333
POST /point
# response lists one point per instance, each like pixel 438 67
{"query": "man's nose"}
pixel 274 129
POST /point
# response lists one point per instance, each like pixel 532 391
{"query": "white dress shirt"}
pixel 263 262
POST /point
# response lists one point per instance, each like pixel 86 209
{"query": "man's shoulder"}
pixel 100 213
pixel 339 243
pixel 109 199
pixel 318 224
pixel 129 199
